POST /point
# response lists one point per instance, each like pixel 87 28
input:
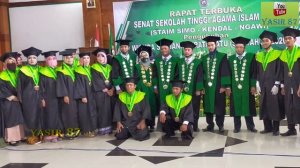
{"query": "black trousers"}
pixel 139 135
pixel 210 120
pixel 271 125
pixel 196 108
pixel 249 122
pixel 170 126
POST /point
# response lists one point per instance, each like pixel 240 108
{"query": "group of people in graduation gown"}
pixel 54 102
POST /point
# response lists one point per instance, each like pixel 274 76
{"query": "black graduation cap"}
pixel 164 42
pixel 211 39
pixel 177 83
pixel 49 53
pixel 268 34
pixel 123 42
pixel 290 32
pixel 71 49
pixel 8 55
pixel 241 40
pixel 66 53
pixel 131 80
pixel 143 48
pixel 31 51
pixel 105 50
pixel 84 54
pixel 187 44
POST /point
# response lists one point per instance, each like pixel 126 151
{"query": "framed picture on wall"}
pixel 90 4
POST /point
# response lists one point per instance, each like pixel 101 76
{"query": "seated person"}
pixel 177 112
pixel 131 111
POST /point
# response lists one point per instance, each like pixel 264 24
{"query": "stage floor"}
pixel 206 150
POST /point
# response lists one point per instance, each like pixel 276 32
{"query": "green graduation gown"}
pixel 243 77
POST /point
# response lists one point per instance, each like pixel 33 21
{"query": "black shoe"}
pixel 221 130
pixel 236 130
pixel 187 137
pixel 275 133
pixel 265 131
pixel 207 129
pixel 253 130
pixel 151 129
pixel 289 133
pixel 196 130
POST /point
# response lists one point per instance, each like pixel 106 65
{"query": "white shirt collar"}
pixel 168 57
pixel 243 55
pixel 125 56
pixel 189 60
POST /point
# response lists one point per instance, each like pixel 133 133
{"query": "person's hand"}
pixel 105 90
pixel 198 93
pixel 162 118
pixel 298 92
pixel 283 91
pixel 84 100
pixel 141 125
pixel 183 127
pixel 66 100
pixel 119 91
pixel 222 90
pixel 119 127
pixel 43 103
pixel 228 91
pixel 156 91
pixel 203 92
pixel 110 92
pixel 253 90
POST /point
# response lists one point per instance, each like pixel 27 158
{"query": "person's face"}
pixel 32 60
pixel 130 87
pixel 211 46
pixel 101 58
pixel 176 91
pixel 239 48
pixel 266 43
pixel 69 59
pixel 10 60
pixel 19 61
pixel 124 49
pixel 86 60
pixel 188 52
pixel 165 50
pixel 289 41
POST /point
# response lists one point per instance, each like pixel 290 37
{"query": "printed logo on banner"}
pixel 279 8
pixel 203 3
pixel 275 14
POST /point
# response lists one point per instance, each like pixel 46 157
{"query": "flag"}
pixel 97 37
pixel 111 41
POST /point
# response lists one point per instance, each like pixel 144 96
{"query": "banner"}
pixel 145 22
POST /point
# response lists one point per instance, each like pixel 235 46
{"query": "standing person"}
pixel 10 106
pixel 216 83
pixel 52 124
pixel 268 80
pixel 131 112
pixel 65 92
pixel 291 79
pixel 103 91
pixel 243 80
pixel 177 112
pixel 83 93
pixel 146 82
pixel 19 62
pixel 29 95
pixel 123 64
pixel 165 69
pixel 190 70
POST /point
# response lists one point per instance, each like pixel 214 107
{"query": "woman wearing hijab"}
pixel 10 104
pixel 103 91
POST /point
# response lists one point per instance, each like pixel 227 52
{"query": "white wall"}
pixel 47 27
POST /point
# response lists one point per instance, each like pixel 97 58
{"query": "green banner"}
pixel 145 22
